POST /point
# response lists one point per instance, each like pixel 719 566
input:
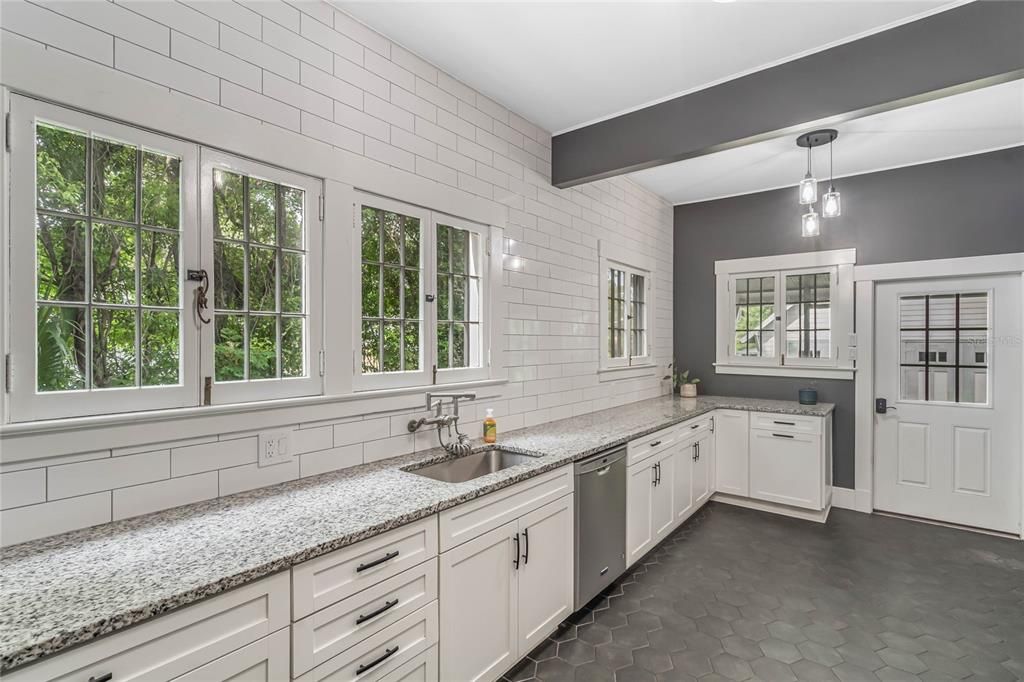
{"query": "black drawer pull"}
pixel 388 653
pixel 785 423
pixel 373 614
pixel 377 562
pixel 655 443
pixel 106 677
pixel 695 426
pixel 782 435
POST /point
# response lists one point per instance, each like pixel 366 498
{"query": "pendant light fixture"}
pixel 831 206
pixel 810 224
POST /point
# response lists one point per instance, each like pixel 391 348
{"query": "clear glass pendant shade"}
pixel 810 224
pixel 831 206
pixel 808 190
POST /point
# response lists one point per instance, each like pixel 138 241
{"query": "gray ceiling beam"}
pixel 971 46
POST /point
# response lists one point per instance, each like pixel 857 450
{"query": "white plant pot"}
pixel 688 390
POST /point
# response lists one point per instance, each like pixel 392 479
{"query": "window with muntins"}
pixel 755 317
pixel 808 315
pixel 424 280
pixel 944 347
pixel 625 317
pixel 111 248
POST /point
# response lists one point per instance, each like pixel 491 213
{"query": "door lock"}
pixel 881 406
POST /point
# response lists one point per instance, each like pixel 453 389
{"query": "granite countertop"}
pixel 67 589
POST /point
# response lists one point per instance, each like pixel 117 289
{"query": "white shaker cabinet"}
pixel 732 452
pixel 640 483
pixel 703 468
pixel 790 460
pixel 504 591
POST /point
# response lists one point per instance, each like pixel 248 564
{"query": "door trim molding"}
pixel 865 278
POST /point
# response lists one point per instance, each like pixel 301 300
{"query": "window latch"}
pixel 202 302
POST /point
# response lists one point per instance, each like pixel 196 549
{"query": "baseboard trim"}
pixel 771 507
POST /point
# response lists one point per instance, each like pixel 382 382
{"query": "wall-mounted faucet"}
pixel 434 405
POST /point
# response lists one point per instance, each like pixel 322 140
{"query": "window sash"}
pixel 478 304
pixel 779 357
pixel 429 310
pixel 27 402
pixel 254 389
pixel 619 310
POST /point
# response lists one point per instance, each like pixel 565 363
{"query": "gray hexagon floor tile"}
pixel 737 594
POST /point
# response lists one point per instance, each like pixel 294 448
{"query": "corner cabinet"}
pixel 505 590
pixel 732 452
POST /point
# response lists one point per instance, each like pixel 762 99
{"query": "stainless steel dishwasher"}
pixel 600 522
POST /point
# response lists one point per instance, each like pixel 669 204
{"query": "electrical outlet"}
pixel 275 448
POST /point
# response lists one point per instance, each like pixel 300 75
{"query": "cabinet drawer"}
pixel 326 633
pixel 422 668
pixel 265 660
pixel 786 468
pixel 475 518
pixel 328 579
pixel 382 653
pixel 639 449
pixel 786 423
pixel 173 644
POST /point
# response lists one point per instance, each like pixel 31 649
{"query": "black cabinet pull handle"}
pixel 377 562
pixel 526 541
pixel 655 443
pixel 515 562
pixel 388 653
pixel 657 473
pixel 105 677
pixel 785 423
pixel 695 426
pixel 373 614
pixel 782 435
pixel 694 448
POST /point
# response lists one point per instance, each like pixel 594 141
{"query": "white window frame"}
pixel 838 264
pixel 490 278
pixel 265 389
pixel 630 264
pixel 26 404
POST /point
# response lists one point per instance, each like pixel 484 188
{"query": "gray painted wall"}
pixel 963 207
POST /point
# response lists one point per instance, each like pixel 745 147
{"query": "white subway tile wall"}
pixel 309 68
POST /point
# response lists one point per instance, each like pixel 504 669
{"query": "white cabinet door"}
pixel 682 481
pixel 478 604
pixel 732 452
pixel 702 463
pixel 662 508
pixel 545 572
pixel 639 525
pixel 786 468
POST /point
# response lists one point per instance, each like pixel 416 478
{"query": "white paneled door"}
pixel 948 364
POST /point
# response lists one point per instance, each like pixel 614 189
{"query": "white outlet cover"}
pixel 274 448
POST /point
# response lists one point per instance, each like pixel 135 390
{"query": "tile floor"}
pixel 738 594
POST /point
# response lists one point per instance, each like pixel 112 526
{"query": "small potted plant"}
pixel 687 386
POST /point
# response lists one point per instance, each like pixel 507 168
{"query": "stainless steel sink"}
pixel 472 466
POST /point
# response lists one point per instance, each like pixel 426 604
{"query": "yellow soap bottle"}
pixel 490 427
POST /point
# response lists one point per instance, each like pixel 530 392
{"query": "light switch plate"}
pixel 275 448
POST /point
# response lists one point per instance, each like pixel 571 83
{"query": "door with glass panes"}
pixel 948 365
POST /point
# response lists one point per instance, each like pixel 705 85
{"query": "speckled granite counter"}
pixel 71 588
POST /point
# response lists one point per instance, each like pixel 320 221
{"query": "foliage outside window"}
pixel 108 266
pixel 422 284
pixel 259 263
pixel 624 315
pixel 755 317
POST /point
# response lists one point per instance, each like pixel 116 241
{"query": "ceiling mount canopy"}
pixel 817 137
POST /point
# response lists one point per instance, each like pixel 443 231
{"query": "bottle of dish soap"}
pixel 490 427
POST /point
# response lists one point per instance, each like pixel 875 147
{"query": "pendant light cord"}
pixel 830 185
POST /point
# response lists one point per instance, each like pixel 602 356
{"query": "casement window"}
pixel 106 254
pixel 789 321
pixel 626 314
pixel 262 256
pixel 426 283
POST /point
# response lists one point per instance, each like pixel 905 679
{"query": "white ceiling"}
pixel 969 123
pixel 562 65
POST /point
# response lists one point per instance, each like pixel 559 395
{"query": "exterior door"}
pixel 478 607
pixel 948 364
pixel 545 571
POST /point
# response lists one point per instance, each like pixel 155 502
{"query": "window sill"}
pixel 795 371
pixel 134 428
